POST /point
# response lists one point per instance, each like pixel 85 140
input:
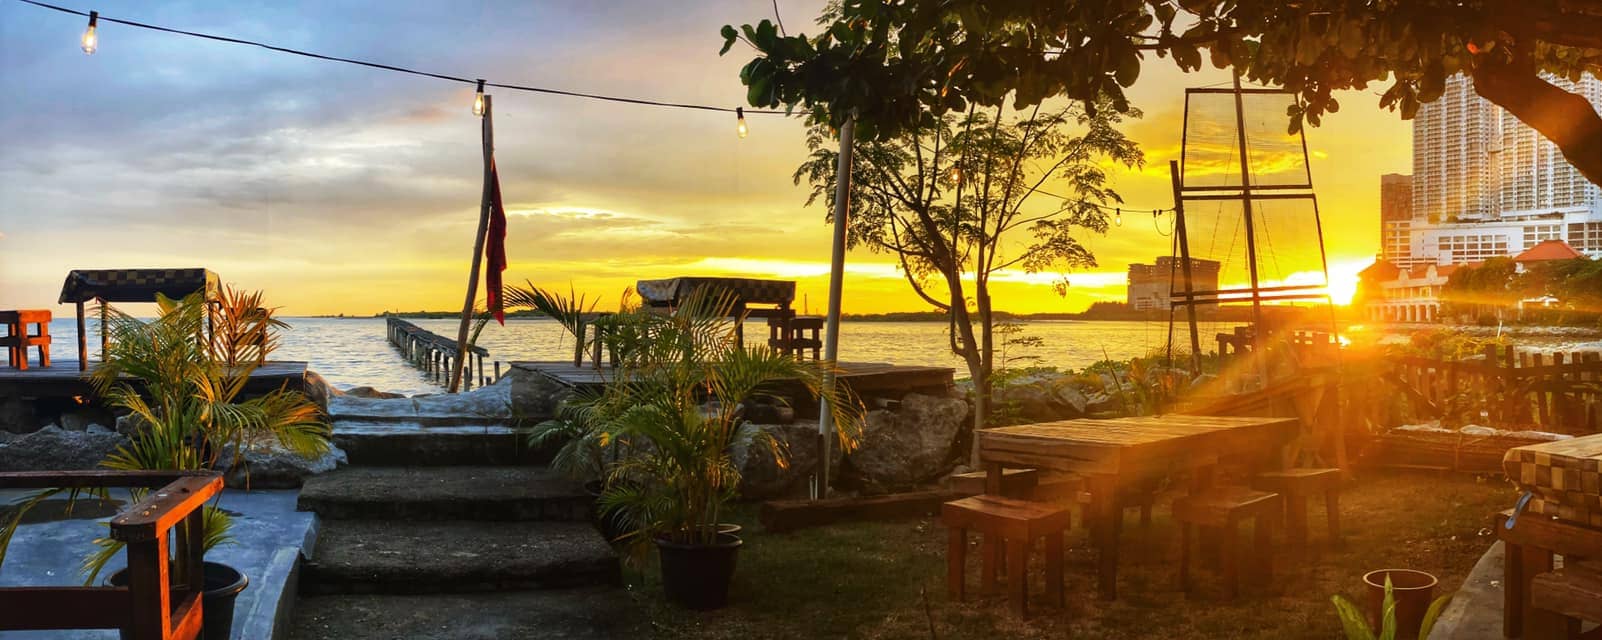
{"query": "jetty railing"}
pixel 1560 392
pixel 436 354
pixel 153 606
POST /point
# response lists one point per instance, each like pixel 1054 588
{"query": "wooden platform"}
pixel 865 378
pixel 65 380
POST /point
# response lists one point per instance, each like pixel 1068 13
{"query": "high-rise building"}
pixel 1151 284
pixel 1486 185
pixel 1396 218
pixel 1453 172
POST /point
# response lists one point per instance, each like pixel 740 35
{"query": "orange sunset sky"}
pixel 339 189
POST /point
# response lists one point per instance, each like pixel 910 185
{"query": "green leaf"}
pixel 1128 69
pixel 729 36
pixel 1431 614
pixel 1352 619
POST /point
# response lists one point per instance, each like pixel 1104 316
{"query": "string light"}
pixel 1118 218
pixel 478 99
pixel 91 40
pixel 739 122
pixel 955 174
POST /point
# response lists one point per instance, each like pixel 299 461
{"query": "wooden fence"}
pixel 1557 392
pixel 436 354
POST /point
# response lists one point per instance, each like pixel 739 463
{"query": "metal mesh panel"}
pixel 1212 142
pixel 1286 237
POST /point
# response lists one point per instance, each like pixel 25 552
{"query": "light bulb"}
pixel 739 122
pixel 91 40
pixel 955 174
pixel 478 100
pixel 1118 217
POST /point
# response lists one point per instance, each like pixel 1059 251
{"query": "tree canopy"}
pixel 898 64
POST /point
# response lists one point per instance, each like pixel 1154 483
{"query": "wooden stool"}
pixel 1015 483
pixel 1564 599
pixel 1015 523
pixel 19 337
pixel 1298 486
pixel 1223 508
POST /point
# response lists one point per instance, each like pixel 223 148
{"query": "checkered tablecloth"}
pixel 667 292
pixel 1564 475
pixel 134 285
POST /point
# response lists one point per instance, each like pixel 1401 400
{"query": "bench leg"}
pixel 1263 545
pixel 956 562
pixel 1054 588
pixel 1296 520
pixel 1332 504
pixel 1184 556
pixel 1231 562
pixel 1018 576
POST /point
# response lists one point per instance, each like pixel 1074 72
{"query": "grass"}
pixel 887 580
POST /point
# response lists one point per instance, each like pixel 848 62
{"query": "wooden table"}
pixel 1111 453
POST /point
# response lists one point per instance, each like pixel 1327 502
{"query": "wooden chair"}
pixel 26 328
pixel 1298 486
pixel 1223 508
pixel 1564 599
pixel 1016 524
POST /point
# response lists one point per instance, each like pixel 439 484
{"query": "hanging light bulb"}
pixel 478 100
pixel 91 40
pixel 739 122
pixel 1118 216
pixel 955 174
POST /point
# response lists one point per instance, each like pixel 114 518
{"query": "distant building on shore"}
pixel 1396 218
pixel 1150 284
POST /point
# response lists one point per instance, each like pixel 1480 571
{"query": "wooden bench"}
pixel 1015 483
pixel 1530 546
pixel 1223 508
pixel 1297 486
pixel 1564 599
pixel 1016 524
pixel 26 328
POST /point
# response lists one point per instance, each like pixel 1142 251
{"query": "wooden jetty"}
pixel 64 380
pixel 869 380
pixel 436 354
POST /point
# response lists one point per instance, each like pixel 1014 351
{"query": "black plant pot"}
pixel 610 525
pixel 223 584
pixel 697 576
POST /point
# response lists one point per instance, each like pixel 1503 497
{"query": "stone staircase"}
pixel 451 529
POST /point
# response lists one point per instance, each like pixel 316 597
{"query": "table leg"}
pixel 1512 591
pixel 1054 588
pixel 1109 521
pixel 1018 576
pixel 993 473
pixel 956 562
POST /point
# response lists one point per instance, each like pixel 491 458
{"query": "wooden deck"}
pixel 865 378
pixel 64 380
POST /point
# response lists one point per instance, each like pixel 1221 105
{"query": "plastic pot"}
pixel 697 576
pixel 222 585
pixel 1412 590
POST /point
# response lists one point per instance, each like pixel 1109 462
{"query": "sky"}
pixel 342 189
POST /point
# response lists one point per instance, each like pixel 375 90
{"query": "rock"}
pixel 369 392
pixel 910 446
pixel 1102 403
pixel 492 402
pixel 761 478
pixel 17 415
pixel 319 391
pixel 129 424
pixel 81 419
pixel 1073 397
pixel 1042 399
pixel 268 465
pixel 534 396
pixel 95 428
pixel 55 449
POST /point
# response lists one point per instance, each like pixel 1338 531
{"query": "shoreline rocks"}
pixel 911 444
pixel 55 449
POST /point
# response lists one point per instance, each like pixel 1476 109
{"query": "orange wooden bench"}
pixel 26 328
pixel 1564 599
pixel 1015 523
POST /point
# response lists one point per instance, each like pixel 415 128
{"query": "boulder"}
pixel 492 402
pixel 17 415
pixel 762 478
pixel 80 419
pixel 369 392
pixel 266 464
pixel 55 449
pixel 911 445
pixel 534 396
pixel 318 390
pixel 1042 400
pixel 129 424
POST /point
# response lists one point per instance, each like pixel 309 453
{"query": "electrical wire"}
pixel 400 69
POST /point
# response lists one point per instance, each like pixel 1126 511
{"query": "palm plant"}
pixel 1355 624
pixel 679 391
pixel 184 388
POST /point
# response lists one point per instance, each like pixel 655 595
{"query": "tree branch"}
pixel 1568 120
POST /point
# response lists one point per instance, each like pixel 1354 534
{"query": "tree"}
pixel 1490 285
pixel 889 62
pixel 961 200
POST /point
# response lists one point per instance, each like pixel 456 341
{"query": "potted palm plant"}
pixel 678 393
pixel 185 388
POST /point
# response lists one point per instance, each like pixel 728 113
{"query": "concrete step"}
pixel 445 493
pixel 564 613
pixel 400 557
pixel 421 443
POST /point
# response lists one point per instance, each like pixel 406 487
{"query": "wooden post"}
pixel 83 342
pixel 1184 253
pixel 102 328
pixel 478 240
pixel 1259 331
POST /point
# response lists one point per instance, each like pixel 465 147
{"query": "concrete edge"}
pixel 1476 609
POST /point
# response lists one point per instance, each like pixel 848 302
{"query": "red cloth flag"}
pixel 495 248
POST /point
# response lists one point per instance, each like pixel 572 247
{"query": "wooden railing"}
pixel 1559 392
pixel 151 607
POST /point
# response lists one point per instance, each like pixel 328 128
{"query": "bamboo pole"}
pixel 478 241
pixel 831 331
pixel 1183 240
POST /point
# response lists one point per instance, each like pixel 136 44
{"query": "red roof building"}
pixel 1547 250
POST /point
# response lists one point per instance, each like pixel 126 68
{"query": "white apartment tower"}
pixel 1453 173
pixel 1533 177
